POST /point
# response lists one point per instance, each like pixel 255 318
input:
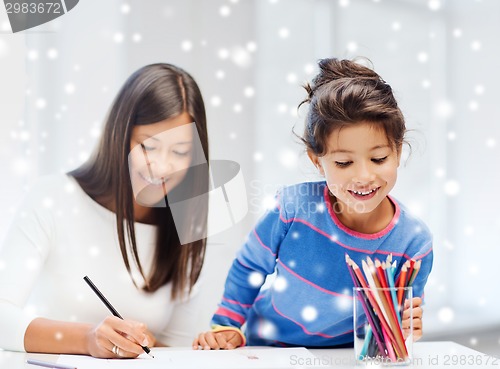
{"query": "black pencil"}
pixel 110 307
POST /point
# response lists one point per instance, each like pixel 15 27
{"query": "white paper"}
pixel 245 357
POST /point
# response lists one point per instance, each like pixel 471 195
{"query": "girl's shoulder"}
pixel 303 191
pixel 410 224
pixel 302 198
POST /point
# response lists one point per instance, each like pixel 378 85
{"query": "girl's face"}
pixel 360 167
pixel 160 156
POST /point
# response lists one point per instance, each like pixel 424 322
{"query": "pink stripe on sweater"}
pixel 237 303
pixel 304 328
pixel 262 243
pixel 311 283
pixel 230 314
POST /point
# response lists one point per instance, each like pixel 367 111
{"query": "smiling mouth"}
pixel 154 181
pixel 364 194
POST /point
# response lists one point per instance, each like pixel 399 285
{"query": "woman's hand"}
pixel 417 318
pixel 117 338
pixel 222 340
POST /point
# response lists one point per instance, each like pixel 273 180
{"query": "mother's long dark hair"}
pixel 153 93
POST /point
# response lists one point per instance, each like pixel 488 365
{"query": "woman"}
pixel 113 219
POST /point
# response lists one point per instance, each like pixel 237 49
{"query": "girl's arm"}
pixel 256 259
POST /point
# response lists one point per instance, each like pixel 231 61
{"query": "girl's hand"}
pixel 222 340
pixel 417 319
pixel 128 337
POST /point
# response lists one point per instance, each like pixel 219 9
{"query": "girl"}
pixel 354 134
pixel 110 219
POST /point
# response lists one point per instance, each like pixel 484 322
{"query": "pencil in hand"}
pixel 110 307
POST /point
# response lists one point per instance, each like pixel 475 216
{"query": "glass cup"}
pixel 378 335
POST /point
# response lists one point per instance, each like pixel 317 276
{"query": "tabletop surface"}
pixel 428 355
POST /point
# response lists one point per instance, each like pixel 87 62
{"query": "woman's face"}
pixel 160 156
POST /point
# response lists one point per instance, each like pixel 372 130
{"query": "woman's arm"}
pixel 50 336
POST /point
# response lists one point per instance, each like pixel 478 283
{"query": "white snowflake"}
pixel 40 103
pixel 118 37
pixel 186 45
pixel 444 109
pixel 434 5
pixel 284 32
pixel 269 202
pixel 491 142
pixel 249 91
pixel 291 78
pixel 225 11
pixel 288 158
pixel 457 32
pixel 446 314
pixel 451 188
pixel 309 69
pixel 255 279
pixel 220 74
pixel 223 54
pixel 475 45
pixel 241 57
pixel 32 55
pixel 215 101
pixel 309 313
pixel 94 251
pixel 479 89
pixel 52 54
pixel 251 46
pixel 422 57
pixel 473 105
pixel 352 47
pixel 396 26
pixel 258 156
pixel 69 88
pixel 345 302
pixel 282 108
pixel 31 264
pixel 58 336
pixel 237 108
pixel 280 284
pixel 48 202
pixel 137 37
pixel 267 329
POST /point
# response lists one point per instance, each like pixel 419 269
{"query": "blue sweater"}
pixel 310 301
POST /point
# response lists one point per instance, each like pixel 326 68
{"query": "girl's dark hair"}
pixel 153 93
pixel 345 93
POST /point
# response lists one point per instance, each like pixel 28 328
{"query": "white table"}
pixel 427 355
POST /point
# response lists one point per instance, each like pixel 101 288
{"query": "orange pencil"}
pixel 402 282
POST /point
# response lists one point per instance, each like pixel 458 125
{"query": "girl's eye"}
pixel 379 160
pixel 343 164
